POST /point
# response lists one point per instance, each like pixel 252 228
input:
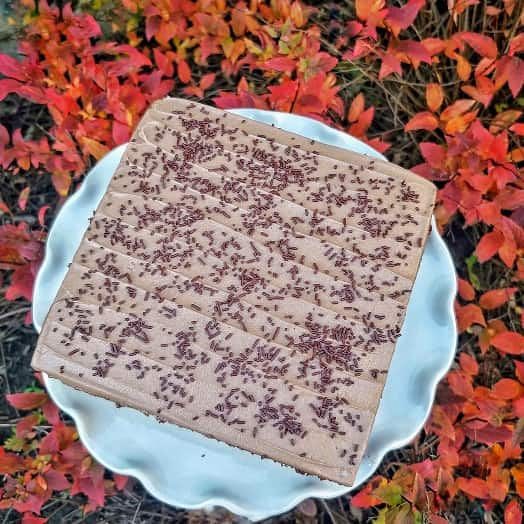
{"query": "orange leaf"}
pixel 4 208
pixel 365 8
pixel 483 45
pixel 424 120
pixel 483 92
pixel 460 124
pixel 364 121
pixel 463 67
pixel 468 315
pixel 489 244
pixel 356 108
pixel 517 472
pixel 62 182
pixel 465 289
pixel 494 327
pixel 468 364
pixel 456 109
pixel 184 73
pixel 509 342
pixel 506 389
pixel 496 297
pixel 513 513
pixel 94 147
pixel 505 119
pixel 474 487
pixel 434 96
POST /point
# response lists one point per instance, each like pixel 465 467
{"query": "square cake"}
pixel 245 283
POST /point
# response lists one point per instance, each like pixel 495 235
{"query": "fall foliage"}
pixel 453 94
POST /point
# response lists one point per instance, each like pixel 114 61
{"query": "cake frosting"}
pixel 245 283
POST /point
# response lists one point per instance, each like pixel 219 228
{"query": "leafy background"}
pixel 436 86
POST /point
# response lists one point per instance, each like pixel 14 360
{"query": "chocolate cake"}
pixel 245 283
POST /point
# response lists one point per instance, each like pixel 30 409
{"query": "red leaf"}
pixel 22 198
pixel 51 413
pixel 184 73
pixel 365 498
pixel 356 108
pixel 121 133
pixel 390 64
pixel 207 81
pixel 433 154
pixel 27 401
pixel 511 70
pixel 506 389
pixel 474 487
pixel 412 52
pixel 399 18
pixel 516 45
pixel 10 463
pixel 496 297
pixel 164 62
pixel 56 480
pixel 31 518
pixel 281 63
pixel 282 96
pixel 460 384
pixel 483 45
pixel 11 68
pixel 41 215
pixel 24 426
pixel 465 289
pixel 22 281
pixel 509 342
pixel 468 364
pixel 7 86
pixel 513 513
pixel 120 481
pixel 434 96
pixel 519 370
pixel 424 120
pixel 489 244
pixel 508 251
pixel 468 315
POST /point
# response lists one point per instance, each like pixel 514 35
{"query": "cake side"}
pixel 236 309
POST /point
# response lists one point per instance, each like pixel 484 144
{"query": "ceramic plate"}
pixel 185 469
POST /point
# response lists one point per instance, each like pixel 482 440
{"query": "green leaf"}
pixel 391 494
pixel 14 443
pixel 473 278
